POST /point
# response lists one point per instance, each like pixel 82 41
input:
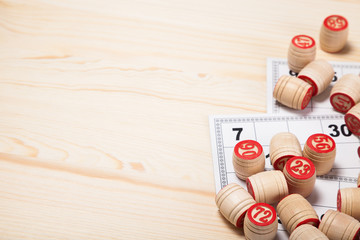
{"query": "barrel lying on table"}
pixel 348 201
pixel 307 232
pixel 338 225
pixel 268 186
pixel 283 146
pixel 233 201
pixel 294 210
pixel 293 92
pixel 318 74
pixel 345 93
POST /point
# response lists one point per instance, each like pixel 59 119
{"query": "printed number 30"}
pixel 343 130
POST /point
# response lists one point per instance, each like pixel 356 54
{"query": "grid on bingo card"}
pixel 263 128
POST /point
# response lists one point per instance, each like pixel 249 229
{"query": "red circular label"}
pixel 250 188
pixel 339 200
pixel 307 98
pixel 341 102
pixel 300 168
pixel 357 235
pixel 261 214
pixel 336 22
pixel 353 123
pixel 248 149
pixel 240 221
pixel 311 82
pixel 312 221
pixel 281 162
pixel 321 143
pixel 303 41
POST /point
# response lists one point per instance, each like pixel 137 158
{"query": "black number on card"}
pixel 334 78
pixel 238 130
pixel 343 130
pixel 293 73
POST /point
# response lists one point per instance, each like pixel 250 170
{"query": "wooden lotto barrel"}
pixel 260 222
pixel 345 93
pixel 233 201
pixel 334 33
pixel 352 119
pixel 338 225
pixel 307 232
pixel 302 50
pixel 321 150
pixel 348 201
pixel 319 74
pixel 283 146
pixel 300 176
pixel 248 158
pixel 292 92
pixel 294 210
pixel 267 187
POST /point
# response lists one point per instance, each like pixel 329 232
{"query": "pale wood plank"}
pixel 41 199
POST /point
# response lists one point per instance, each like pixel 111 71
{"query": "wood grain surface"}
pixel 105 106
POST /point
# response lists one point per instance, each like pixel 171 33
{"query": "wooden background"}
pixel 106 104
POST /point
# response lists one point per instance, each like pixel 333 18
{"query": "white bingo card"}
pixel 226 131
pixel 277 67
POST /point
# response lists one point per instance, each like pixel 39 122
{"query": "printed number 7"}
pixel 239 130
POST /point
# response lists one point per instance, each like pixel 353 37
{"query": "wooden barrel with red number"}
pixel 293 92
pixel 283 146
pixel 233 201
pixel 348 201
pixel 307 232
pixel 300 175
pixel 302 50
pixel 321 150
pixel 352 119
pixel 294 210
pixel 260 222
pixel 248 158
pixel 334 33
pixel 345 93
pixel 338 225
pixel 268 186
pixel 319 74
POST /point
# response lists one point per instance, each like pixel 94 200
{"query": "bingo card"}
pixel 318 117
pixel 277 67
pixel 226 131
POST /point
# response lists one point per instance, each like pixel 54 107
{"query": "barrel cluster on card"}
pixel 313 76
pixel 283 191
pixel 287 187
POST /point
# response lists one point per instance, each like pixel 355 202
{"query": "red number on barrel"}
pixel 336 23
pixel 322 143
pixel 249 147
pixel 296 168
pixel 267 214
pixel 303 41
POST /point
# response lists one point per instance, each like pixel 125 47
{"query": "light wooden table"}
pixel 106 104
